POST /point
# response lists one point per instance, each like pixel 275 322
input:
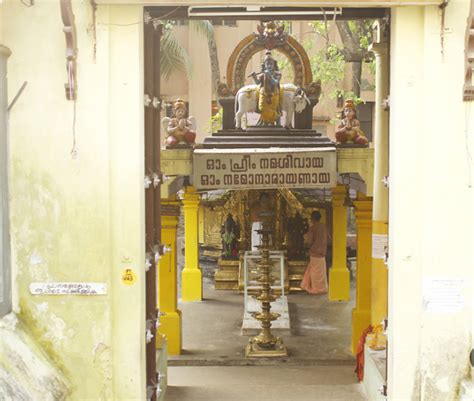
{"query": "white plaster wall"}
pixel 431 214
pixel 227 38
pixel 67 215
pixel 127 202
pixel 200 86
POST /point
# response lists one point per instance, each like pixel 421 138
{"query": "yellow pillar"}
pixel 170 321
pixel 201 217
pixel 191 277
pixel 362 311
pixel 339 278
pixel 380 214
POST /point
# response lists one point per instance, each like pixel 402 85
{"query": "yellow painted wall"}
pixel 431 210
pixel 1 26
pixel 67 215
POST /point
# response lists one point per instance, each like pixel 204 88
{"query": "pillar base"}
pixel 170 326
pixel 191 280
pixel 360 321
pixel 339 284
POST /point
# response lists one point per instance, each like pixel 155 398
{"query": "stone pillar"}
pixel 380 211
pixel 339 278
pixel 170 321
pixel 362 311
pixel 191 276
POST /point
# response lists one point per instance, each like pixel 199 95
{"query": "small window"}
pixel 222 22
pixel 230 22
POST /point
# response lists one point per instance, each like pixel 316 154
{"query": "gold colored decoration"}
pixel 296 269
pixel 265 344
pixel 226 277
pixel 377 340
pixel 249 46
pixel 229 275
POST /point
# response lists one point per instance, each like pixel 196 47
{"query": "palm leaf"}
pixel 173 56
pixel 204 27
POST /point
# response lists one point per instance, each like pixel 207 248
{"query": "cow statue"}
pixel 294 99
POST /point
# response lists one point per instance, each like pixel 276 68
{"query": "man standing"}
pixel 314 279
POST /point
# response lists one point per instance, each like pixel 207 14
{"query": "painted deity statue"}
pixel 269 93
pixel 180 128
pixel 348 130
pixel 230 234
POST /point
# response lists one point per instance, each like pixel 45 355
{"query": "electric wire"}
pixel 160 17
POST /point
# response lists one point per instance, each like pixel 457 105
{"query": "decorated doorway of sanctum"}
pixel 323 330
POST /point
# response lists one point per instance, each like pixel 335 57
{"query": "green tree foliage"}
pixel 328 64
pixel 174 57
pixel 216 120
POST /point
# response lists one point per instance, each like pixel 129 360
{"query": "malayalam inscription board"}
pixel 55 288
pixel 264 168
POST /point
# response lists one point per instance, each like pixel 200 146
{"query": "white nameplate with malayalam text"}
pixel 264 168
pixel 68 288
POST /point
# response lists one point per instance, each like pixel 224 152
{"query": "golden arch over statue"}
pixel 247 48
pixel 269 36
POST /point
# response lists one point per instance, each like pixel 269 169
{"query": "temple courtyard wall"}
pixel 431 134
pixel 77 218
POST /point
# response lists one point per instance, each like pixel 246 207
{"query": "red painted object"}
pixel 360 353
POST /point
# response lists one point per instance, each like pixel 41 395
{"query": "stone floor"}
pixel 320 331
pixel 263 383
pixel 213 366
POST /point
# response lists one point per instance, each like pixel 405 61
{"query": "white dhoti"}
pixel 256 237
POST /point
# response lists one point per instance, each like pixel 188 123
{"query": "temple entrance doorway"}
pixel 321 330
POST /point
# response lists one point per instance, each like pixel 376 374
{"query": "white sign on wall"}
pixel 68 288
pixel 264 168
pixel 443 295
pixel 379 246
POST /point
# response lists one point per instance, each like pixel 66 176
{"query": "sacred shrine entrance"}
pixel 268 156
pixel 249 191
